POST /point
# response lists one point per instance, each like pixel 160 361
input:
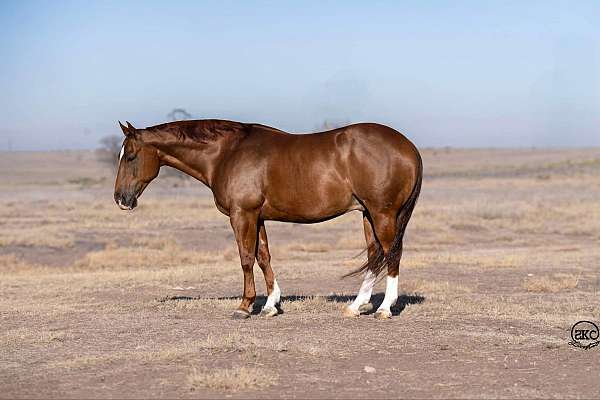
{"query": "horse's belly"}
pixel 307 206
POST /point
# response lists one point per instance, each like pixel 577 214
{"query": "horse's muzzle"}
pixel 126 202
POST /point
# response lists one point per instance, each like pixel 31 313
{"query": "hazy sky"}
pixel 447 73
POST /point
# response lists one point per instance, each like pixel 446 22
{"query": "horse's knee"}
pixel 247 262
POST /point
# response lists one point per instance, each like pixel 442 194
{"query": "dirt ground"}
pixel 501 260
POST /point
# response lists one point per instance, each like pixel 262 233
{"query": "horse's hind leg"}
pixel 263 257
pixel 391 293
pixel 384 225
pixel 361 303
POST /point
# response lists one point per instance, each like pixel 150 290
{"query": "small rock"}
pixel 369 370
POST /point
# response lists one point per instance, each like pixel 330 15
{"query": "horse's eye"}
pixel 131 157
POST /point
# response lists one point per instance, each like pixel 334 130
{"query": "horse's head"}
pixel 138 166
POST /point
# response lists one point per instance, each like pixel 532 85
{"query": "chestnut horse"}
pixel 258 173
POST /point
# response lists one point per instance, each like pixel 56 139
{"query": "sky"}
pixel 445 73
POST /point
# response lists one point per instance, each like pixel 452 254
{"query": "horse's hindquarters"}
pixel 383 167
pixel 316 177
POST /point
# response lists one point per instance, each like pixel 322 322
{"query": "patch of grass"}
pixel 194 304
pixel 312 305
pixel 231 255
pixel 512 338
pixel 42 236
pixel 310 247
pixel 351 243
pixel 420 286
pixel 551 284
pixel 19 337
pixel 547 310
pixel 10 263
pixel 159 243
pixel 232 379
pixel 474 260
pixel 168 255
pixel 235 342
pixel 85 181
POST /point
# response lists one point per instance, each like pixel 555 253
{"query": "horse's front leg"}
pixel 244 224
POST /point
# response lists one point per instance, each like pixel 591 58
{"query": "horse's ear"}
pixel 124 129
pixel 128 130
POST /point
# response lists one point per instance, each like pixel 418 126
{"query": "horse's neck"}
pixel 198 161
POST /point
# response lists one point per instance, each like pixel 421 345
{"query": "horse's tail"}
pixel 379 262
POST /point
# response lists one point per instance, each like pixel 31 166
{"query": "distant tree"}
pixel 331 124
pixel 178 114
pixel 110 146
pixel 108 152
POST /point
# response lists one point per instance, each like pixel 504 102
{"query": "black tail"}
pixel 379 263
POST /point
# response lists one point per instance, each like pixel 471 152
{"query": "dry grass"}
pixel 460 259
pixel 83 361
pixel 11 263
pixel 312 305
pixel 152 242
pixel 44 236
pixel 231 255
pixel 551 284
pixel 495 308
pixel 430 287
pixel 351 243
pixel 309 247
pixel 89 291
pixel 232 379
pixel 27 336
pixel 160 254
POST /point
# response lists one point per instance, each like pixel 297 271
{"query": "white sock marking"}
pixel 275 295
pixel 364 293
pixel 391 293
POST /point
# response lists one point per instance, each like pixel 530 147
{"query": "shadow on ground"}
pixel 403 300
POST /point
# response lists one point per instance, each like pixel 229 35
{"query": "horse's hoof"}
pixel 269 312
pixel 382 314
pixel 349 312
pixel 240 314
pixel 365 308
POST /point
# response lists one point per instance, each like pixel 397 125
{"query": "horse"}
pixel 258 173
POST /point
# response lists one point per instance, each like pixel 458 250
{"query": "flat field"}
pixel 501 259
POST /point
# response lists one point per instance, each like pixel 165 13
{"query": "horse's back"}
pixel 304 179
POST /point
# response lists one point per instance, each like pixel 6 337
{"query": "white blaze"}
pixel 121 152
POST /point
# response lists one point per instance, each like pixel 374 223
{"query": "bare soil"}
pixel 501 260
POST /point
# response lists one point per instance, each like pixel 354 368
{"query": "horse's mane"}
pixel 202 131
